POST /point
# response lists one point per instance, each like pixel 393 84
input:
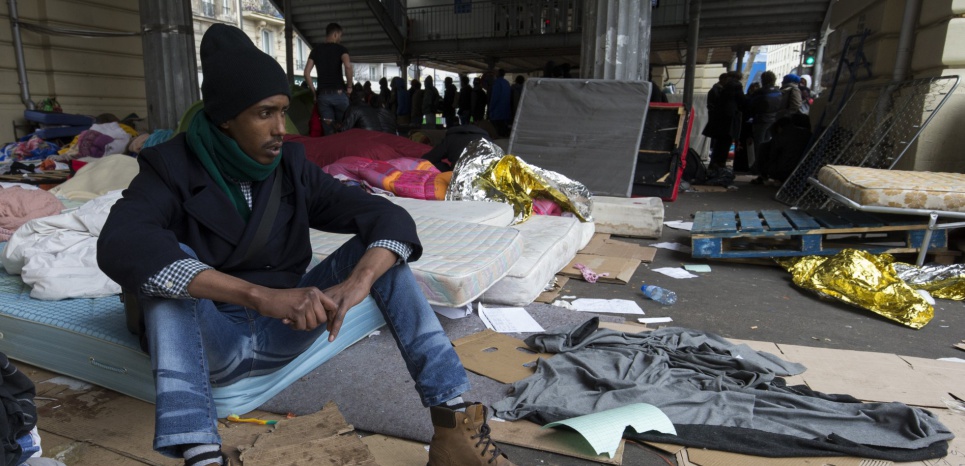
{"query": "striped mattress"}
pixel 87 339
pixel 460 260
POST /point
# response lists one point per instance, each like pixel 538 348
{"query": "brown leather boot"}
pixel 462 439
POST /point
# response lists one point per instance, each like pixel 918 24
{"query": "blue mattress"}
pixel 54 118
pixel 88 339
pixel 54 132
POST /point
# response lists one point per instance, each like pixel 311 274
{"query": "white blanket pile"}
pixel 57 255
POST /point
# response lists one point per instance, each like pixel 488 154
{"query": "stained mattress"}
pixel 897 188
pixel 549 244
pixel 460 260
pixel 88 339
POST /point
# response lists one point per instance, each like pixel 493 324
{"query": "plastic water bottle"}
pixel 660 295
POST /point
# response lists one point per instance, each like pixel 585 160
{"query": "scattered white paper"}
pixel 568 297
pixel 675 272
pixel 672 246
pixel 607 306
pixel 453 312
pixel 952 359
pixel 654 320
pixel 680 225
pixel 697 267
pixel 508 320
pixel 18 185
pixel 925 294
pixel 564 304
pixel 604 430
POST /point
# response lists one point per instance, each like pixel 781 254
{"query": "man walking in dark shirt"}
pixel 332 93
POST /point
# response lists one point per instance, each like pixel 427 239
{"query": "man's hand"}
pixel 344 296
pixel 302 308
pixel 358 285
pixel 299 308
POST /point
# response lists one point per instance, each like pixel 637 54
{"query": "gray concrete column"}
pixel 171 74
pixel 616 40
pixel 289 42
pixel 693 37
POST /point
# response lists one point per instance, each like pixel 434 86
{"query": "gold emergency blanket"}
pixel 862 279
pixel 484 173
pixel 941 281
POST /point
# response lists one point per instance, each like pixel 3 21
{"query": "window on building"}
pixel 207 8
pixel 299 53
pixel 226 7
pixel 267 38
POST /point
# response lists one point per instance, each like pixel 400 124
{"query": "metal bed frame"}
pixel 930 213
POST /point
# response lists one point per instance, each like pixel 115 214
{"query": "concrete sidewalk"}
pixel 92 426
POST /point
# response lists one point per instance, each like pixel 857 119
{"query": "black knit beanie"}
pixel 237 74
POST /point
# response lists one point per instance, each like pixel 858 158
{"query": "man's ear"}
pixel 223 125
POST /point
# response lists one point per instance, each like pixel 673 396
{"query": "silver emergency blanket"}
pixel 485 173
pixel 941 281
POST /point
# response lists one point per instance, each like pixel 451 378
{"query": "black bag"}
pixel 695 172
pixel 134 315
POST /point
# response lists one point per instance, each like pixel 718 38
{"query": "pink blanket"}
pixel 404 176
pixel 374 145
pixel 19 206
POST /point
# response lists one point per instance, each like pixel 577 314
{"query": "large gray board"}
pixel 586 129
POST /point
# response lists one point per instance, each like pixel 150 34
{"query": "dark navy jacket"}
pixel 173 200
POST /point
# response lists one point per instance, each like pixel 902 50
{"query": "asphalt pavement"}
pixel 755 302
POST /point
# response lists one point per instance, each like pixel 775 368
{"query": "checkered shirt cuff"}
pixel 401 249
pixel 172 281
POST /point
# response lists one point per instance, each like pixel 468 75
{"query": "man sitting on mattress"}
pixel 213 233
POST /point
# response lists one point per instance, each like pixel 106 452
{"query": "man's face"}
pixel 258 129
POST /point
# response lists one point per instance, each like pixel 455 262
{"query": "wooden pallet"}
pixel 41 178
pixel 776 233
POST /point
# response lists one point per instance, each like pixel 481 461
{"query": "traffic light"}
pixel 810 52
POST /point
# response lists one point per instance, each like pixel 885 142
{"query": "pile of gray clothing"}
pixel 718 395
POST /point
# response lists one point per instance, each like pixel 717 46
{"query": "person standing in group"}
pixel 416 94
pixel 724 103
pixel 517 93
pixel 450 102
pixel 479 100
pixel 465 100
pixel 430 103
pixel 400 102
pixel 500 103
pixel 764 105
pixel 806 99
pixel 384 93
pixel 790 96
pixel 221 302
pixel 332 94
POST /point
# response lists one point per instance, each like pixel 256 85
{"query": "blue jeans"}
pixel 196 344
pixel 331 107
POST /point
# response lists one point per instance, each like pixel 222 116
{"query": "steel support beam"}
pixel 616 40
pixel 167 38
pixel 693 36
pixel 382 16
pixel 18 53
pixel 289 35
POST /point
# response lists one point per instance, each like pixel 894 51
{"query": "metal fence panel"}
pixel 873 129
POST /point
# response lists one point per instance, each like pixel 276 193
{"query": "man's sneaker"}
pixel 462 438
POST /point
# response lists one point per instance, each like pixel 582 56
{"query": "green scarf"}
pixel 221 156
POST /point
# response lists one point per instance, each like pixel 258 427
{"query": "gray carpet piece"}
pixel 373 390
